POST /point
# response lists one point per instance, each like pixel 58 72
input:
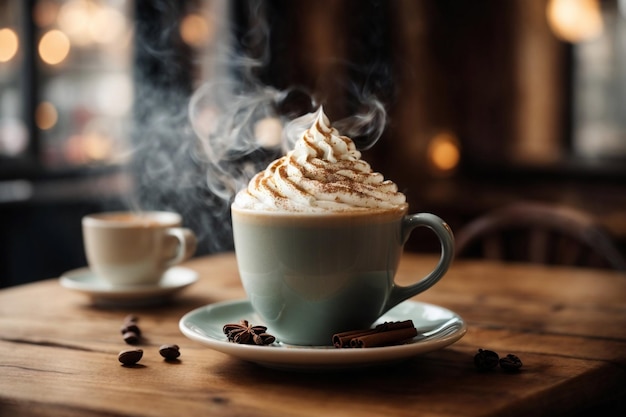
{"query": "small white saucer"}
pixel 437 327
pixel 104 294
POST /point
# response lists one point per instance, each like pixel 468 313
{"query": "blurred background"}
pixel 111 104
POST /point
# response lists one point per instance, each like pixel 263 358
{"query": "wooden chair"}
pixel 540 233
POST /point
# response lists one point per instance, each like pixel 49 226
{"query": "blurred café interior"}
pixel 487 102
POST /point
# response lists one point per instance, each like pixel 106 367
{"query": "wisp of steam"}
pixel 194 160
pixel 228 123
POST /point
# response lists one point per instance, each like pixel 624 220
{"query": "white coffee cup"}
pixel 126 248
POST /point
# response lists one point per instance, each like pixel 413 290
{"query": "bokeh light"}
pixel 9 44
pixel 97 146
pixel 575 20
pixel 195 30
pixel 13 136
pixel 86 22
pixel 73 20
pixel 54 47
pixel 444 153
pixel 46 115
pixel 268 132
pixel 107 25
pixel 113 94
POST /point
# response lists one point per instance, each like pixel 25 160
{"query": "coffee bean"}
pixel 130 324
pixel 510 363
pixel 131 338
pixel 169 352
pixel 131 318
pixel 130 327
pixel 130 357
pixel 485 360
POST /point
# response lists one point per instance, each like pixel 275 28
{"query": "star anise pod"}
pixel 246 334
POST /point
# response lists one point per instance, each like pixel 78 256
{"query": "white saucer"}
pixel 104 294
pixel 437 327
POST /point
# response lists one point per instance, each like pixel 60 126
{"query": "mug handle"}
pixel 187 243
pixel 446 238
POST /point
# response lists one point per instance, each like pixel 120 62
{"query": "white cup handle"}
pixel 186 247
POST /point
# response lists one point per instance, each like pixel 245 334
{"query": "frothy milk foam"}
pixel 324 173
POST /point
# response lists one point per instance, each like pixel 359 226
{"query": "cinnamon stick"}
pixel 394 325
pixel 384 338
pixel 343 339
pixel 387 333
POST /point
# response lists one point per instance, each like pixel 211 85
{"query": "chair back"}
pixel 540 233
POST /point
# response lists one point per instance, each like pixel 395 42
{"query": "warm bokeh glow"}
pixel 86 22
pixel 575 20
pixel 195 30
pixel 46 115
pixel 268 132
pixel 107 25
pixel 443 152
pixel 54 47
pixel 9 44
pixel 96 146
pixel 74 20
pixel 90 146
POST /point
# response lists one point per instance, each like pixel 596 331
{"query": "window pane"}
pixel 84 58
pixel 14 137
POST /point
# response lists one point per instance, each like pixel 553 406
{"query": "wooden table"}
pixel 58 354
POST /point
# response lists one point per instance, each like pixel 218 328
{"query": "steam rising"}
pixel 195 151
pixel 225 122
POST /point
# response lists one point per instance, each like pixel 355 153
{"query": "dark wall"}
pixel 40 240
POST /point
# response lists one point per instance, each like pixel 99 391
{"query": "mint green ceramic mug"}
pixel 310 276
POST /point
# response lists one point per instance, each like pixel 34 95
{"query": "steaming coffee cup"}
pixel 129 249
pixel 311 276
pixel 318 238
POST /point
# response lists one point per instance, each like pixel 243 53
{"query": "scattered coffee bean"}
pixel 130 357
pixel 486 360
pixel 131 318
pixel 131 338
pixel 130 327
pixel 510 363
pixel 169 352
pixel 131 333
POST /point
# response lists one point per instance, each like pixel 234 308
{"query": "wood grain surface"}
pixel 58 353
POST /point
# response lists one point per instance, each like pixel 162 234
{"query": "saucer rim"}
pixel 70 280
pixel 292 357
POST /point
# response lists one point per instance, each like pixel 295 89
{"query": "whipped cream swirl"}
pixel 323 173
